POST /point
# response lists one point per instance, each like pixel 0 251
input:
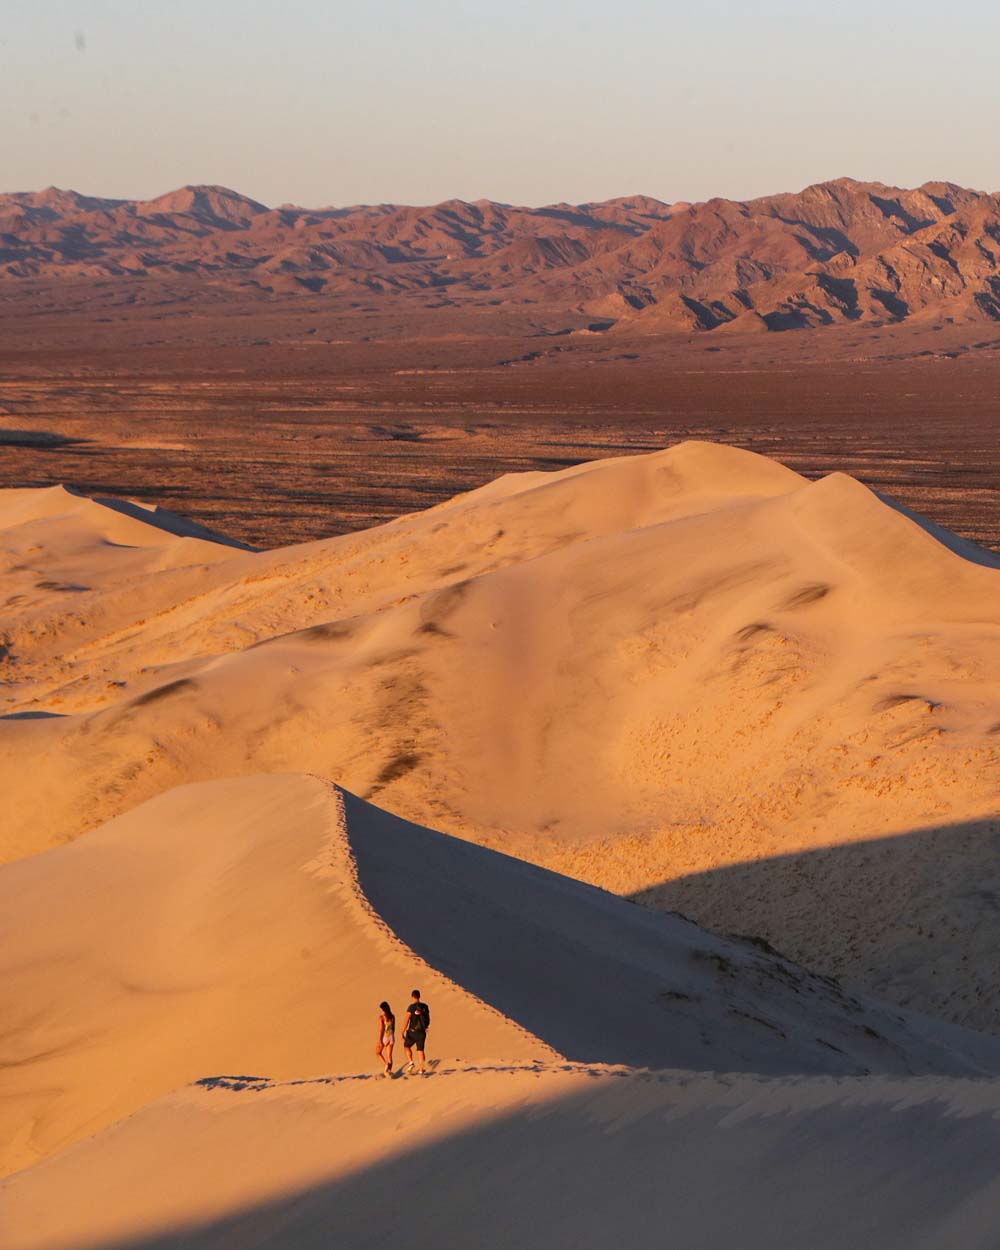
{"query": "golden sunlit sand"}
pixel 692 677
pixel 645 672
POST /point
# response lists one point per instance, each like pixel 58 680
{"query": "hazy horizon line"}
pixel 485 199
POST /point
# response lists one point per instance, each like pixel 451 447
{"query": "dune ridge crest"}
pixel 218 926
pixel 253 925
pixel 683 664
pixel 233 781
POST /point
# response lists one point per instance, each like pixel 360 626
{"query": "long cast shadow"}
pixel 641 1160
pixel 602 981
pixel 34 715
pixel 912 918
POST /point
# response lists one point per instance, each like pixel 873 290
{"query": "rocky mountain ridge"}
pixel 837 252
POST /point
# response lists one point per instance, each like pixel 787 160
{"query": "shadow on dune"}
pixel 601 981
pixel 35 715
pixel 164 520
pixel 963 547
pixel 835 1169
pixel 912 918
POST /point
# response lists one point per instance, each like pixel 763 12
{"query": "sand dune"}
pixel 253 925
pixel 138 614
pixel 214 928
pixel 552 1155
pixel 642 672
pixel 55 524
pixel 694 677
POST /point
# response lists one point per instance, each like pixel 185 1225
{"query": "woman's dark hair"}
pixel 386 1008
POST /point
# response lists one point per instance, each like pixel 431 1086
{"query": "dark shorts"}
pixel 414 1040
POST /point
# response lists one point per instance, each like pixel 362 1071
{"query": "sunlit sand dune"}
pixel 650 673
pixel 121 614
pixel 254 925
pixel 540 1155
pixel 216 927
pixel 692 678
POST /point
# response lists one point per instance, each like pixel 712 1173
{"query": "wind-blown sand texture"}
pixel 655 674
pixel 691 677
pixel 247 926
pixel 540 1155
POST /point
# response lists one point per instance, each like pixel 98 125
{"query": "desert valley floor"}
pixel 296 440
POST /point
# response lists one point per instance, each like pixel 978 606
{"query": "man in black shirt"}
pixel 418 1021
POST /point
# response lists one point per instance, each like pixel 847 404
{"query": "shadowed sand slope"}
pixel 607 982
pixel 636 671
pixel 252 926
pixel 908 916
pixel 217 927
pixel 566 1158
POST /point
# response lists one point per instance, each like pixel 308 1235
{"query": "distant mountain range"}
pixel 841 251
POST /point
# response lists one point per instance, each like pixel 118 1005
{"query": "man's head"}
pixel 415 995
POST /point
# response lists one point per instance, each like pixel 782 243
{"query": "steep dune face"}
pixel 693 677
pixel 644 673
pixel 253 926
pixel 216 929
pixel 56 530
pixel 829 1164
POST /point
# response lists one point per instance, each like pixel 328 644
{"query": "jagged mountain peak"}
pixel 837 251
pixel 216 202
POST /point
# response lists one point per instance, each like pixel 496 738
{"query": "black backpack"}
pixel 420 1017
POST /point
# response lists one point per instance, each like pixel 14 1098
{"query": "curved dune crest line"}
pixel 178 614
pixel 253 925
pixel 601 980
pixel 640 672
pixel 828 1164
pixel 215 928
pixel 358 824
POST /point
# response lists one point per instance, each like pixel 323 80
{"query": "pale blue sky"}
pixel 527 102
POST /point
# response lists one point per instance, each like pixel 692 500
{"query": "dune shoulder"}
pixel 495 1155
pixel 253 925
